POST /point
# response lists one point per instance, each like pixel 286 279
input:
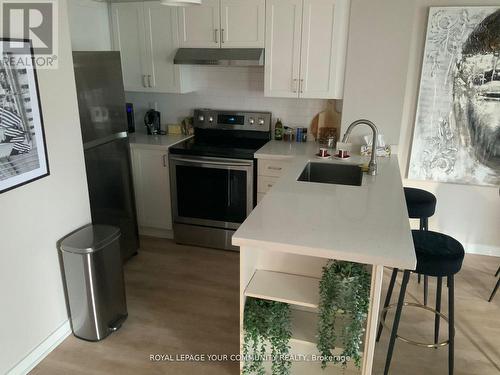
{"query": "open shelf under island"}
pixel 299 226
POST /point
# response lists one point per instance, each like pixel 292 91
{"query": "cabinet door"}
pixel 243 23
pixel 129 39
pixel 283 30
pixel 162 43
pixel 324 36
pixel 152 188
pixel 199 26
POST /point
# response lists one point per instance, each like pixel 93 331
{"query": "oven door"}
pixel 213 192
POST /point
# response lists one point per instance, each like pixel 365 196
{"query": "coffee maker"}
pixel 152 122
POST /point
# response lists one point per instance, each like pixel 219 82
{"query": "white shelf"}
pixel 284 287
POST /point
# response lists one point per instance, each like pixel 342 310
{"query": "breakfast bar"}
pixel 299 226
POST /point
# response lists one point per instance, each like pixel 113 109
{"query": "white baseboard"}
pixel 41 351
pixel 482 249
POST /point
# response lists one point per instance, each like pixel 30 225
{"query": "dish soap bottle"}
pixel 278 130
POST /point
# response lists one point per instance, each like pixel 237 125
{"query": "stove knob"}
pixel 261 121
pixel 251 121
pixel 201 118
pixel 210 119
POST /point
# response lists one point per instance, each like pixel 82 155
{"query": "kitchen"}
pixel 186 298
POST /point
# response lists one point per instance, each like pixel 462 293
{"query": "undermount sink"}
pixel 330 173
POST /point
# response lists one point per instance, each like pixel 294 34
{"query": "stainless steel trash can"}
pixel 94 281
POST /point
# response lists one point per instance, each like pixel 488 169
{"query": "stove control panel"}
pixel 232 120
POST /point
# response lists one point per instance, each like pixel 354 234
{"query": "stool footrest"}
pixel 414 342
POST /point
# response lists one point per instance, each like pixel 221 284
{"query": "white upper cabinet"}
pixel 162 41
pixel 283 30
pixel 199 25
pixel 129 39
pixel 146 34
pixel 311 63
pixel 242 23
pixel 223 24
pixel 323 52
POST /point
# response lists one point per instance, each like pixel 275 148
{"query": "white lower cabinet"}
pixel 268 173
pixel 152 191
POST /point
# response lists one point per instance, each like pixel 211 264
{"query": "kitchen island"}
pixel 298 226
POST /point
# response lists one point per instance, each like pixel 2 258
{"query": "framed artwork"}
pixel 23 153
pixel 457 125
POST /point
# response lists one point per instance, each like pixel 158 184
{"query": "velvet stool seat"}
pixel 421 205
pixel 438 255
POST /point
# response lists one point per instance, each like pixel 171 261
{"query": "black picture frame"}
pixel 20 112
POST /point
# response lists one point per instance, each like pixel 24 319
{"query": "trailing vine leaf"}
pixel 344 292
pixel 266 322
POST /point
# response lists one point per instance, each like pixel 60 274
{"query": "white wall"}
pixel 377 65
pixel 385 52
pixel 33 217
pixel 225 88
pixel 89 25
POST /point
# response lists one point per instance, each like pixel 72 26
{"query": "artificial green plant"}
pixel 266 323
pixel 344 291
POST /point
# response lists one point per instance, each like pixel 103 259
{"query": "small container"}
pixel 331 141
pixel 288 135
pixel 298 134
pixel 304 135
pixel 323 152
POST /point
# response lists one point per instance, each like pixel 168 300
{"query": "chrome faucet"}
pixel 372 166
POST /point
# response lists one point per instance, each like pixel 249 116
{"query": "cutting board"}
pixel 324 121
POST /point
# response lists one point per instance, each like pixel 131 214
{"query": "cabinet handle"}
pixel 149 80
pixel 222 35
pixel 164 157
pixel 216 36
pixel 294 85
pixel 274 168
pixel 301 86
pixel 144 80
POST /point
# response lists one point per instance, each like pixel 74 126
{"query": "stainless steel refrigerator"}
pixel 101 103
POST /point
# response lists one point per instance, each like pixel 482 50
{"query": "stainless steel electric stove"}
pixel 213 176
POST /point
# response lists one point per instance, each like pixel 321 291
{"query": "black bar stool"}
pixel 421 205
pixel 438 255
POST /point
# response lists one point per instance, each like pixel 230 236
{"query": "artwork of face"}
pixel 477 92
pixel 457 125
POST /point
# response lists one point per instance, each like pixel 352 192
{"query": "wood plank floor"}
pixel 184 299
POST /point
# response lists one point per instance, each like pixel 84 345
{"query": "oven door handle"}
pixel 231 163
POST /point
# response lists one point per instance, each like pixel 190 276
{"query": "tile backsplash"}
pixel 232 88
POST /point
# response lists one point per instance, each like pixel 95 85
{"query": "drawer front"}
pixel 273 168
pixel 264 183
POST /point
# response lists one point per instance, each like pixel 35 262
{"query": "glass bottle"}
pixel 278 130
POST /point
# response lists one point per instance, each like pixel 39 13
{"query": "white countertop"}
pixel 366 224
pixel 156 142
pixel 286 150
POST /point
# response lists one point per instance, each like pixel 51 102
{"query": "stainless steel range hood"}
pixel 220 56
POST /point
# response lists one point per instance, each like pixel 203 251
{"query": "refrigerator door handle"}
pixel 104 140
